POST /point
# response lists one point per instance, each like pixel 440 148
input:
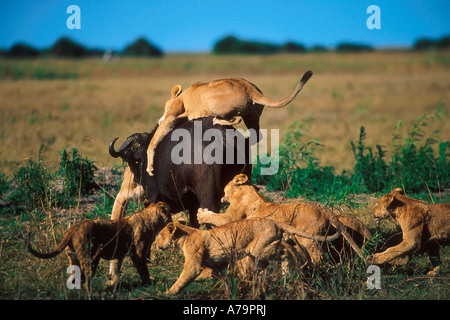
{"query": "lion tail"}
pixel 60 247
pixel 335 221
pixel 262 100
pixel 290 229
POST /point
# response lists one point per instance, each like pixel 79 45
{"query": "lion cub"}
pixel 228 100
pixel 424 226
pixel 246 241
pixel 246 202
pixel 91 240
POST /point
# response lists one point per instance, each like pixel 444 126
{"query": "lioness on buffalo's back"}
pixel 225 99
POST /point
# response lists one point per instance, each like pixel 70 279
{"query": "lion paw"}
pixel 434 272
pixel 202 215
pixel 233 121
pixel 371 258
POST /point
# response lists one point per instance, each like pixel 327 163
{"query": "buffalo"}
pixel 197 182
pixel 182 185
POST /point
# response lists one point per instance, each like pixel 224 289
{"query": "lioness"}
pixel 91 240
pixel 226 99
pixel 246 202
pixel 258 239
pixel 424 226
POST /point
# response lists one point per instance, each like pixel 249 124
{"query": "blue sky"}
pixel 190 25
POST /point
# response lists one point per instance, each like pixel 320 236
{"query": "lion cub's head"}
pixel 168 236
pixel 386 205
pixel 236 188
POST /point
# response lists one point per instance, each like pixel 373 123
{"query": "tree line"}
pixel 68 48
pixel 232 45
pixel 141 47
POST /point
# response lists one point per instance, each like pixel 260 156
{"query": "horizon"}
pixel 179 27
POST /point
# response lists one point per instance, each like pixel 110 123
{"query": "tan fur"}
pixel 424 226
pixel 128 190
pixel 246 241
pixel 246 202
pixel 225 99
pixel 91 240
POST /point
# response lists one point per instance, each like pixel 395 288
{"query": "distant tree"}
pixel 232 45
pixel 348 47
pixel 292 47
pixel 424 44
pixel 67 48
pixel 227 45
pixel 142 48
pixel 20 50
pixel 444 42
pixel 255 47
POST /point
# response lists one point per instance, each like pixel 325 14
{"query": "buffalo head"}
pixel 133 151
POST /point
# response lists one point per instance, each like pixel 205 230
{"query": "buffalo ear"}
pixel 176 91
pixel 398 190
pixel 240 179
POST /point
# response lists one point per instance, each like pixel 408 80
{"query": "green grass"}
pixel 418 163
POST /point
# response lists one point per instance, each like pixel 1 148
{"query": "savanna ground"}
pixel 48 105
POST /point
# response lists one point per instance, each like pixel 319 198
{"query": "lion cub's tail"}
pixel 262 100
pixel 290 229
pixel 60 247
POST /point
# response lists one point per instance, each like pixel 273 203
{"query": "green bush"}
pixel 300 172
pixel 33 187
pixel 371 172
pixel 414 165
pixel 77 174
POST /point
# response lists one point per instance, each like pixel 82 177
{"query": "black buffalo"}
pixel 187 186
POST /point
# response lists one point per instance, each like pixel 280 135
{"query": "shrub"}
pixel 300 172
pixel 371 173
pixel 33 188
pixel 36 187
pixel 77 174
pixel 414 165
